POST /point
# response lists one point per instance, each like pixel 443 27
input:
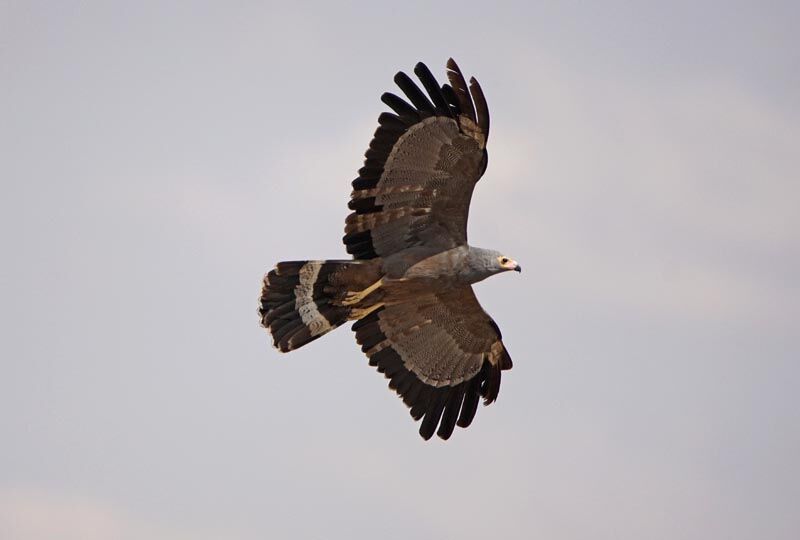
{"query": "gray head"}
pixel 483 263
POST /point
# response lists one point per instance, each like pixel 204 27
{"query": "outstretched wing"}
pixel 441 352
pixel 421 167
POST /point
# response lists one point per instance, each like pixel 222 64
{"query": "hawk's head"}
pixel 481 263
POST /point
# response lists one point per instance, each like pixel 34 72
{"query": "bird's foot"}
pixel 360 313
pixel 352 298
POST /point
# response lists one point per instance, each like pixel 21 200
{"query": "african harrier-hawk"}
pixel 408 286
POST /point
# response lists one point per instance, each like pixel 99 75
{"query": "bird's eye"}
pixel 504 260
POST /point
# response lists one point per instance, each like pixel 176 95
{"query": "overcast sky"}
pixel 157 159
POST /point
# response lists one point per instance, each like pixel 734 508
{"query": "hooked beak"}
pixel 518 268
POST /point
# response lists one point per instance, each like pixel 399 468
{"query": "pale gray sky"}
pixel 158 159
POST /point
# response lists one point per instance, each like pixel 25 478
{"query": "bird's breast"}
pixel 444 267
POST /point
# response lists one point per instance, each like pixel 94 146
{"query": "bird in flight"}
pixel 409 284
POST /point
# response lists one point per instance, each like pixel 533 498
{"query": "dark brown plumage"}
pixel 408 286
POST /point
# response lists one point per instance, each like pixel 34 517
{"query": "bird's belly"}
pixel 431 275
pixel 442 266
pixel 402 290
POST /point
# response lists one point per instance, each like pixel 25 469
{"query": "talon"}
pixel 361 313
pixel 352 298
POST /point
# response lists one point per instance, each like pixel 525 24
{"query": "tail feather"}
pixel 300 300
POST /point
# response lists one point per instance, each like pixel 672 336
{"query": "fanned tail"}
pixel 303 300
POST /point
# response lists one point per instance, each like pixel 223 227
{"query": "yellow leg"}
pixel 357 313
pixel 355 297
